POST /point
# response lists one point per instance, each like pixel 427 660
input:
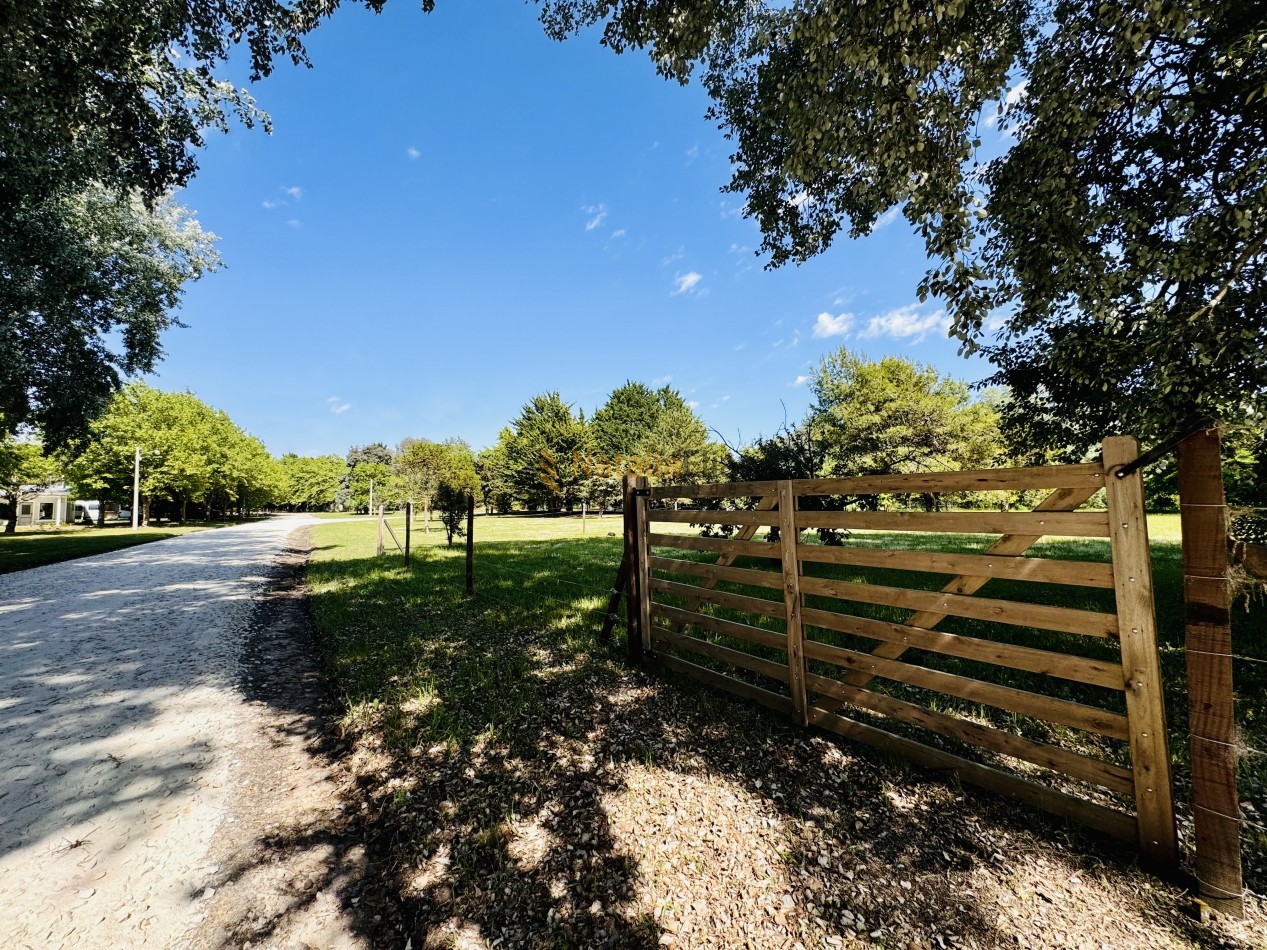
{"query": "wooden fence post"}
pixel 409 520
pixel 792 601
pixel 633 589
pixel 1208 648
pixel 642 504
pixel 470 543
pixel 380 530
pixel 1141 665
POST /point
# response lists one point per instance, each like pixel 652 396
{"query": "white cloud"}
pixel 599 212
pixel 618 233
pixel 685 283
pixel 341 408
pixel 413 153
pixel 886 219
pixel 796 338
pixel 693 404
pixel 800 381
pixel 662 380
pixel 800 199
pixel 270 204
pixel 827 326
pixel 332 399
pixel 1013 98
pixel 293 222
pixel 740 346
pixel 907 323
pixel 1017 93
pixel 693 152
pixel 718 403
pixel 294 191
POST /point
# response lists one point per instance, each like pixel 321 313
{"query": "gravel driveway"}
pixel 129 737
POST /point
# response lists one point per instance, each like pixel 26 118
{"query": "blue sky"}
pixel 455 213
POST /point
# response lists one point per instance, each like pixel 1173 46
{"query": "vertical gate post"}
pixel 470 543
pixel 633 589
pixel 788 536
pixel 1141 665
pixel 409 520
pixel 642 505
pixel 1208 648
pixel 380 530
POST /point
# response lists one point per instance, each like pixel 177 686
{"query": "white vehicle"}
pixel 86 511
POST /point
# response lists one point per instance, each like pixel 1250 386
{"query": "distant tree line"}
pixel 866 417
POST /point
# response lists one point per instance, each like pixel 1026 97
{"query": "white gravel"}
pixel 118 725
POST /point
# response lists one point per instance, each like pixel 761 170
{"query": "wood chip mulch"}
pixel 635 810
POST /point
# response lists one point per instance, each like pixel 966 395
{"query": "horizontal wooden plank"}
pixel 1093 815
pixel 728 628
pixel 756 694
pixel 688 542
pixel 1076 668
pixel 1039 570
pixel 1070 524
pixel 1105 774
pixel 661 636
pixel 723 490
pixel 1008 698
pixel 718 572
pixel 989 479
pixel 1063 619
pixel 752 605
pixel 713 516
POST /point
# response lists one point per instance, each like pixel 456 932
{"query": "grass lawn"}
pixel 510 686
pixel 27 549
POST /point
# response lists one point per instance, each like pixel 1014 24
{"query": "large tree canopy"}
pixel 88 282
pixel 1109 257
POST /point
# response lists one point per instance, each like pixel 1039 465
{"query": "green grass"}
pixel 419 664
pixel 27 549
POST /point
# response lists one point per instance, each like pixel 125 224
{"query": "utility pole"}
pixel 136 488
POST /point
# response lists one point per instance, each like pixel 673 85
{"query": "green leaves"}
pixel 1111 257
pixel 189 452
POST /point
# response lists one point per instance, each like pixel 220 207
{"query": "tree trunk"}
pixel 426 522
pixel 184 506
pixel 145 512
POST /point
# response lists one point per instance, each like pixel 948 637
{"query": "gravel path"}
pixel 135 741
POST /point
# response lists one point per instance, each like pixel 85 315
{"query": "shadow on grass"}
pixel 496 738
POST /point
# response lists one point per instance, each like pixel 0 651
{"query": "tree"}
pixel 894 415
pixel 312 483
pixel 630 413
pixel 1116 241
pixel 90 280
pixel 426 466
pixel 680 439
pixel 493 468
pixel 25 473
pixel 354 487
pixel 544 444
pixel 189 453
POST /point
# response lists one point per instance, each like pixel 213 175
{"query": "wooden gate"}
pixel 802 628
